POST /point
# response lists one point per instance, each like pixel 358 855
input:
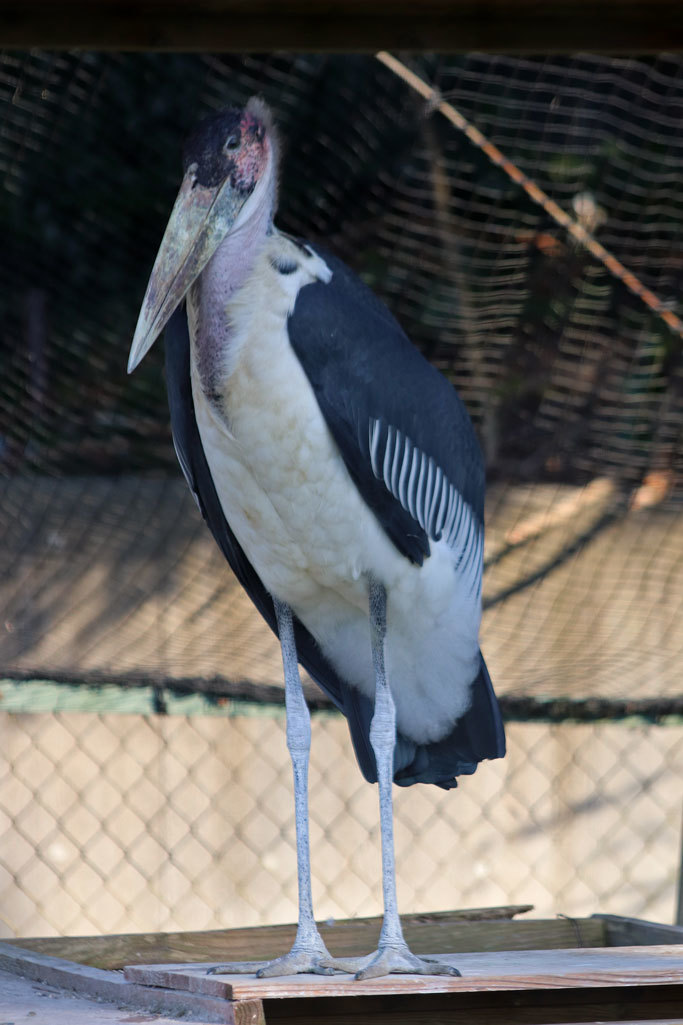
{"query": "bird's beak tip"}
pixel 142 343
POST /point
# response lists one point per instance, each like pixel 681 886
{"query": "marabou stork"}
pixel 340 475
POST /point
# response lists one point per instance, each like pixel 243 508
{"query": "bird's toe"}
pixel 237 968
pixel 297 962
pixel 394 960
pixel 301 960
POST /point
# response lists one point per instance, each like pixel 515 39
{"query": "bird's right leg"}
pixel 393 954
pixel 309 950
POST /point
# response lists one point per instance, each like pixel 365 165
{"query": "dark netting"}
pixel 119 822
pixel 573 381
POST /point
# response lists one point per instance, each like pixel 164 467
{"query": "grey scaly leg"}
pixel 393 953
pixel 309 950
pixel 382 738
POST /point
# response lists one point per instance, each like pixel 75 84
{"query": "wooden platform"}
pixel 503 971
pixel 641 981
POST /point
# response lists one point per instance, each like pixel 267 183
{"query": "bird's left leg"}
pixel 309 950
pixel 393 954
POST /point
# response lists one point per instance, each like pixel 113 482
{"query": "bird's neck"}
pixel 226 273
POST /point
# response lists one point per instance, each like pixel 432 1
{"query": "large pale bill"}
pixel 200 220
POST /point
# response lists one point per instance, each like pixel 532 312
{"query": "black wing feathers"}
pixel 399 425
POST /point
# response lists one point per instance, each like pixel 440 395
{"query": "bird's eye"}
pixel 233 141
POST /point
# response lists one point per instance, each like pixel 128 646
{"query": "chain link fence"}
pixel 117 823
pixel 136 793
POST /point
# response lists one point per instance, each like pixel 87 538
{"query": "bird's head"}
pixel 230 172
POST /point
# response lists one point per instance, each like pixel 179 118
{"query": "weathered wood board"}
pixel 578 975
pixel 471 930
pixel 112 987
pixel 489 972
pixel 630 932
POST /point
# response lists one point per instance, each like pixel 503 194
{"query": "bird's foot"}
pixel 301 960
pixel 391 960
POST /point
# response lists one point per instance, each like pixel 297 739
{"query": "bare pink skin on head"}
pixel 251 163
pixel 252 156
pixel 250 159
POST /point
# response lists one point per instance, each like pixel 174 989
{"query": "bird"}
pixel 340 474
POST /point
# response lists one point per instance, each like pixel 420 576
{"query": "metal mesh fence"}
pixel 107 576
pixel 119 823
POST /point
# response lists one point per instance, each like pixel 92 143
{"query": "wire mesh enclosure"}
pixel 177 814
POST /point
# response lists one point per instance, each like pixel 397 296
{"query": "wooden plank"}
pixel 627 932
pixel 507 971
pixel 257 25
pixel 114 988
pixel 26 1002
pixel 454 931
